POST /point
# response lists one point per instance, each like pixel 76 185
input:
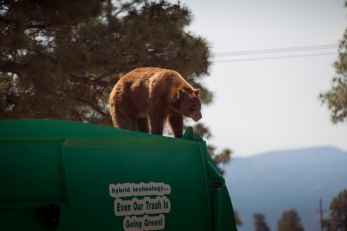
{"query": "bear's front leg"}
pixel 157 123
pixel 176 123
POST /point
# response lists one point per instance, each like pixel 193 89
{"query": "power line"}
pixel 277 50
pixel 275 57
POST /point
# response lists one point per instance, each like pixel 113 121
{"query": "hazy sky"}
pixel 272 104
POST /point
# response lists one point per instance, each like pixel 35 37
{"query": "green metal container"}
pixel 59 175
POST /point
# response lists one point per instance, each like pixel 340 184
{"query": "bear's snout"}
pixel 196 116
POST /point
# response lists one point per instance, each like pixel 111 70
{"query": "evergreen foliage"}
pixel 260 223
pixel 290 221
pixel 61 59
pixel 336 97
pixel 338 213
pixel 238 219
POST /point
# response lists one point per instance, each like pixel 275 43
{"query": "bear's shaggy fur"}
pixel 153 94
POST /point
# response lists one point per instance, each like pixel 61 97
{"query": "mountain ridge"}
pixel 276 181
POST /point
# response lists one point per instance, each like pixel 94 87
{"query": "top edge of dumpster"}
pixel 61 129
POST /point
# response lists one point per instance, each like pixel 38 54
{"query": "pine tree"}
pixel 290 221
pixel 260 223
pixel 60 59
pixel 338 213
pixel 238 219
pixel 336 97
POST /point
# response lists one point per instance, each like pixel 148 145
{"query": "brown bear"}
pixel 153 94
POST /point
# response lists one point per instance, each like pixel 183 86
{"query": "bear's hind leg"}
pixel 123 121
pixel 142 124
pixel 176 123
pixel 126 123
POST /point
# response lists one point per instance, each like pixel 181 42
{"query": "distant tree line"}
pixel 290 220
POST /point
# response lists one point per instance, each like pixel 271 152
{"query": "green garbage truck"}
pixel 60 175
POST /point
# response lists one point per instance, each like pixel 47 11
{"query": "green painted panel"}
pixel 31 172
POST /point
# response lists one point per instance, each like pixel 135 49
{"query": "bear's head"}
pixel 190 104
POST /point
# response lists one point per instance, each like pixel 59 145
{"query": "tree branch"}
pixel 13 67
pixel 92 106
pixel 87 80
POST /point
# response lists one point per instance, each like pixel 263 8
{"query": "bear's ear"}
pixel 197 91
pixel 181 92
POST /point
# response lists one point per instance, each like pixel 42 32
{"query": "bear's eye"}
pixel 192 107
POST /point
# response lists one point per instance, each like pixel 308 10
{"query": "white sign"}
pixel 158 205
